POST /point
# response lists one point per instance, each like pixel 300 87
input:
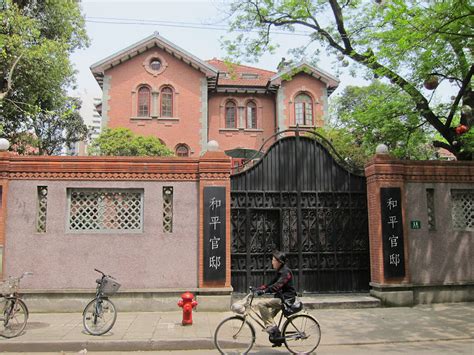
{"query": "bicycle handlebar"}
pixel 104 275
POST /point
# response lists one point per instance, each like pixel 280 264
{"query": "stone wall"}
pixel 147 262
pixel 439 258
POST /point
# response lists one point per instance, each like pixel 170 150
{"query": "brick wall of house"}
pixel 303 83
pixel 241 136
pixel 184 126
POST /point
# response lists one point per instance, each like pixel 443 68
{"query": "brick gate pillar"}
pixel 214 220
pixel 385 176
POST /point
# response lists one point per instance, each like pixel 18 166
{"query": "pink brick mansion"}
pixel 156 88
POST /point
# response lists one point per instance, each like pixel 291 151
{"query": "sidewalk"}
pixel 163 331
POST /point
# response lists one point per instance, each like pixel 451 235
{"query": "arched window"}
pixel 251 111
pixel 166 102
pixel 230 114
pixel 182 150
pixel 303 110
pixel 143 109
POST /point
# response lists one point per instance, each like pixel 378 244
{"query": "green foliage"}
pixel 123 142
pixel 403 41
pixel 364 117
pixel 36 39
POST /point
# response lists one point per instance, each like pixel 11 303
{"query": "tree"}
pixel 414 44
pixel 363 117
pixel 36 40
pixel 123 142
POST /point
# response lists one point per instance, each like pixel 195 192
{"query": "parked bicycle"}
pixel 100 314
pixel 300 332
pixel 14 314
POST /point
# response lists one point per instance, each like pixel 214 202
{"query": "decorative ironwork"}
pixel 299 199
pixel 463 205
pixel 42 209
pixel 167 209
pixel 105 210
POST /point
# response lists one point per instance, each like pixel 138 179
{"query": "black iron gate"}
pixel 299 199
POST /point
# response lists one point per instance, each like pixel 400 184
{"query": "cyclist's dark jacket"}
pixel 282 284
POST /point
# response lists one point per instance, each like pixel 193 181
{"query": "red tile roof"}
pixel 235 74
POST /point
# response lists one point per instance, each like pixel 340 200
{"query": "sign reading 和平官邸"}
pixel 214 234
pixel 392 232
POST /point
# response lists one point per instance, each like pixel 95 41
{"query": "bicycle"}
pixel 14 314
pixel 300 332
pixel 100 314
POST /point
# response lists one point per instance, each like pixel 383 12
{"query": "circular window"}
pixel 155 64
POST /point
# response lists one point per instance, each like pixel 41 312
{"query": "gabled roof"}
pixel 155 40
pixel 240 75
pixel 331 81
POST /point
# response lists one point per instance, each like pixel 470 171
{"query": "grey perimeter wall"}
pixel 149 260
pixel 440 256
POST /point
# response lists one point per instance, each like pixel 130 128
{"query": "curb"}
pixel 107 345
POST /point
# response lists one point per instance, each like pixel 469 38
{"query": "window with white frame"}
pixel 166 102
pixel 463 209
pixel 230 114
pixel 105 210
pixel 303 110
pixel 143 104
pixel 251 115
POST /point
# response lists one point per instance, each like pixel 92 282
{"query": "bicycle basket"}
pixel 109 286
pixel 239 306
pixel 292 308
pixel 8 286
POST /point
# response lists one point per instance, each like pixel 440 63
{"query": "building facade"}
pixel 156 88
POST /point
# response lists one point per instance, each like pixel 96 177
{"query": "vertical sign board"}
pixel 214 234
pixel 392 232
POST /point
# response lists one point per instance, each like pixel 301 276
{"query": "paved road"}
pixel 458 347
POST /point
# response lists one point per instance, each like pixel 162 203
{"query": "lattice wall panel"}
pixel 463 209
pixel 105 210
pixel 167 209
pixel 42 209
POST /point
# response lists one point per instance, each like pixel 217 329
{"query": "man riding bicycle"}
pixel 282 287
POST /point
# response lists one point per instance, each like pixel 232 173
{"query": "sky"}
pixel 194 25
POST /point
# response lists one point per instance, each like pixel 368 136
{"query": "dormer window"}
pixel 249 76
pixel 303 110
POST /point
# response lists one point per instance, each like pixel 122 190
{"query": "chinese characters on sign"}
pixel 392 232
pixel 214 234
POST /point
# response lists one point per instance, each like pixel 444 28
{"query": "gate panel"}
pixel 298 199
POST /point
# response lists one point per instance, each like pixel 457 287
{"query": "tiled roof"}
pixel 241 75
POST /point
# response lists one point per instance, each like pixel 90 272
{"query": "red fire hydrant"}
pixel 187 302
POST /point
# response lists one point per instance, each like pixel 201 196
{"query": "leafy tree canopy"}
pixel 36 39
pixel 363 117
pixel 123 142
pixel 413 44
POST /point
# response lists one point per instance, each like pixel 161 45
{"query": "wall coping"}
pixel 385 167
pixel 15 167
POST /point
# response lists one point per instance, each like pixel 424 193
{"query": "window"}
pixel 166 102
pixel 463 209
pixel 155 64
pixel 249 76
pixel 182 150
pixel 251 115
pixel 105 210
pixel 143 102
pixel 230 114
pixel 303 110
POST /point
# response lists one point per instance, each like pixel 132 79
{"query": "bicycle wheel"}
pixel 99 316
pixel 13 318
pixel 234 335
pixel 302 334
